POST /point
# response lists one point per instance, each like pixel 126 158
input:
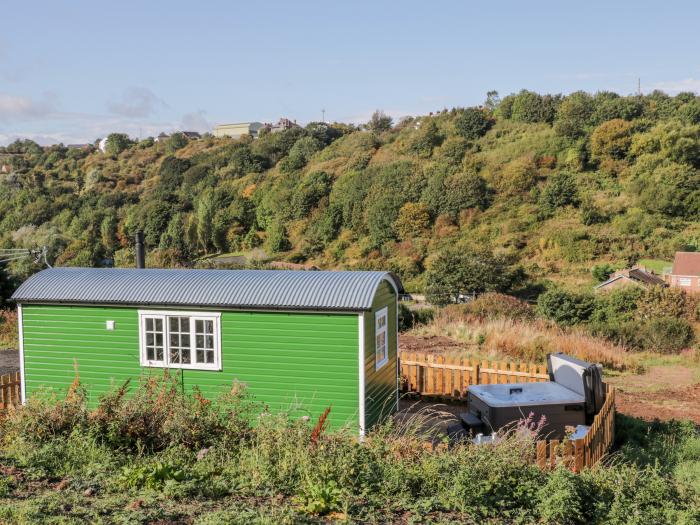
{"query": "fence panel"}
pixel 451 376
pixel 10 390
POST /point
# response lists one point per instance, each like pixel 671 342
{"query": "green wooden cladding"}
pixel 294 361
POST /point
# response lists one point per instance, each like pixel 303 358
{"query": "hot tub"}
pixel 571 398
pixel 501 405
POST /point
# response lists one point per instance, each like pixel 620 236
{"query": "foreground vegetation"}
pixel 157 455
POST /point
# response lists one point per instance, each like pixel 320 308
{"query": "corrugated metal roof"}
pixel 259 289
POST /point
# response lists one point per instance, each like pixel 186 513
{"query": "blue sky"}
pixel 73 71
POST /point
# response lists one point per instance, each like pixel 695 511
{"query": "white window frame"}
pixel 685 281
pixel 194 316
pixel 379 362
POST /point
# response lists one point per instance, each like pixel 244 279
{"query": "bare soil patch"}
pixel 429 343
pixel 9 362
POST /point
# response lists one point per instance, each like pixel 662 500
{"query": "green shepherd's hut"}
pixel 295 338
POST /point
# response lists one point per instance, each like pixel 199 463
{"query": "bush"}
pixel 472 123
pixel 410 317
pixel 602 272
pixel 566 308
pixel 497 306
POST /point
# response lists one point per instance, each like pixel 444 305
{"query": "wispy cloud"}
pixel 136 102
pixel 677 86
pixel 19 107
pixel 196 121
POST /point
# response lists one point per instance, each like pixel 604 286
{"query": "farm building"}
pixel 294 338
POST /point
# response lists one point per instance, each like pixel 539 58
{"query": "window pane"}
pixel 200 356
pixel 210 356
pixel 174 340
pixel 159 325
pixel 174 324
pixel 150 339
pixel 159 339
pixel 199 341
pixel 150 353
pixel 210 341
pixel 185 354
pixel 199 326
pixel 149 324
pixel 210 326
pixel 175 355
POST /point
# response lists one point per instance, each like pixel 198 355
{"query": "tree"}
pixel 602 272
pixel 300 154
pixel 574 114
pixel 566 308
pixel 528 106
pixel 176 141
pixel 108 232
pixel 457 270
pixel 561 190
pixel 205 219
pixel 425 139
pixel 492 100
pixel 277 240
pixel 379 122
pixel 472 123
pixel 116 143
pixel 611 139
pixel 413 220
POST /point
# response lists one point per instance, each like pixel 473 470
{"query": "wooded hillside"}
pixel 523 189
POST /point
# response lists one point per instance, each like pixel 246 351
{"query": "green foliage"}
pixel 561 190
pixel 472 123
pixel 426 139
pixel 566 308
pixel 499 306
pixel 602 272
pixel 176 141
pixel 612 139
pixel 116 143
pixel 530 107
pixel 379 122
pixel 457 270
pixel 277 240
pixel 413 220
pixel 275 469
pixel 574 115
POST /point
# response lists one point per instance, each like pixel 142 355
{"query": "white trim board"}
pixel 20 326
pixel 361 359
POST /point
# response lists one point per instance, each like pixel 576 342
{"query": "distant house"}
pixel 685 273
pixel 192 135
pixel 637 276
pixel 237 130
pixel 162 136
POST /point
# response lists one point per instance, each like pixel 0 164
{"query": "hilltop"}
pixel 523 190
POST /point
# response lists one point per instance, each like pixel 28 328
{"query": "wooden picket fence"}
pixel 10 390
pixel 586 451
pixel 451 376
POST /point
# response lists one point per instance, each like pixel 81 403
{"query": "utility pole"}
pixel 639 86
pixel 323 116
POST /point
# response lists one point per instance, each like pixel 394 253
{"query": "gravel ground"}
pixel 9 361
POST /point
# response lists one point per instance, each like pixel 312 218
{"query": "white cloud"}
pixel 196 121
pixel 17 107
pixel 677 86
pixel 137 102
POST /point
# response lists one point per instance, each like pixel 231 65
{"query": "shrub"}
pixel 611 139
pixel 497 305
pixel 566 308
pixel 561 190
pixel 472 123
pixel 409 318
pixel 602 272
pixel 666 334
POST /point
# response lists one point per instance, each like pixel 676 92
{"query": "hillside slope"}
pixel 549 185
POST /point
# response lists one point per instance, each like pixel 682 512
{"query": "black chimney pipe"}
pixel 140 250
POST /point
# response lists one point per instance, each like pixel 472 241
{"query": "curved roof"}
pixel 248 289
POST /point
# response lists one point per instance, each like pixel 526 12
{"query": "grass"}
pixel 526 340
pixel 657 265
pixel 155 455
pixel 8 329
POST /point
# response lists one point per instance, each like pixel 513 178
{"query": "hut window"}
pixel 381 345
pixel 180 339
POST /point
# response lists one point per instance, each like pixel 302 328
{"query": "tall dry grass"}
pixel 526 340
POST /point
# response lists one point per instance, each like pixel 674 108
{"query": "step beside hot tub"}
pixel 572 397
